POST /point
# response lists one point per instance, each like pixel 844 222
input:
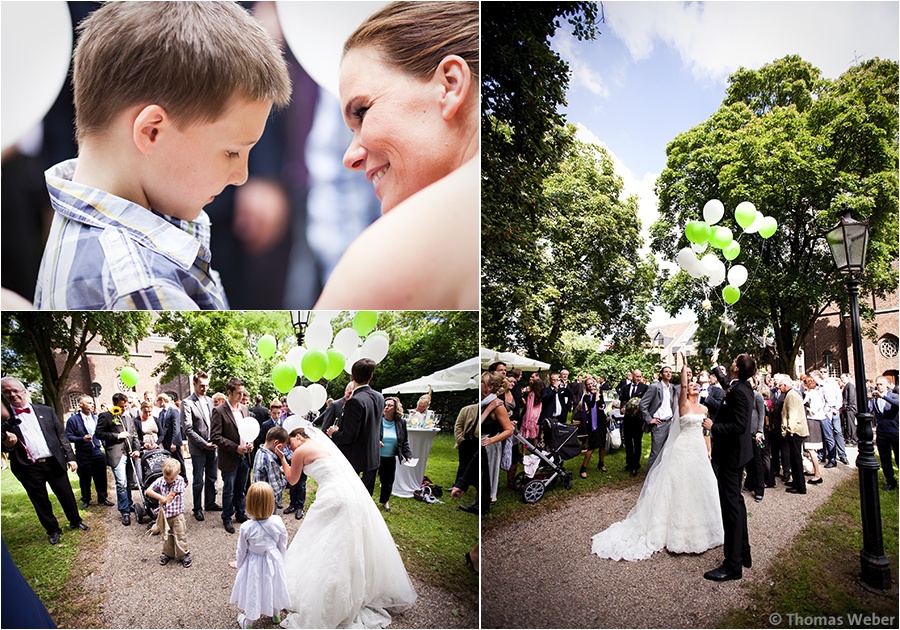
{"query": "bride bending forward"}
pixel 678 508
pixel 342 568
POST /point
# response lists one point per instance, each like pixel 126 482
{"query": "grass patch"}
pixel 50 570
pixel 819 576
pixel 433 538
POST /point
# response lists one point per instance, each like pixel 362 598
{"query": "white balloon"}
pixel 757 223
pixel 318 394
pixel 300 400
pixel 295 356
pixel 716 278
pixel 699 249
pixel 346 341
pixel 316 31
pixel 709 264
pixel 292 422
pixel 375 348
pixel 318 335
pixel 248 428
pixel 686 258
pixel 737 275
pixel 713 211
pixel 352 358
pixel 36 50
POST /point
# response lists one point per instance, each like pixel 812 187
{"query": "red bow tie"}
pixel 23 410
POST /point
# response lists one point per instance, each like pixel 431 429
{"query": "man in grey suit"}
pixel 659 406
pixel 196 411
pixel 357 433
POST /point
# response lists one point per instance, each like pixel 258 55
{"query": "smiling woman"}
pixel 409 93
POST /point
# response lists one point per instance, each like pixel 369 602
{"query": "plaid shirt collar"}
pixel 182 242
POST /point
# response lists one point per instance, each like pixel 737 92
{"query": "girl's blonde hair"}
pixel 260 501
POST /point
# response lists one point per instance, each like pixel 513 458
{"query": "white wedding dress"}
pixel 342 568
pixel 678 508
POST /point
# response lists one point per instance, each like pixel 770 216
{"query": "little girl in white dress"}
pixel 260 587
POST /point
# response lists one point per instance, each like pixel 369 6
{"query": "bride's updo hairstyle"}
pixel 299 431
pixel 416 36
pixel 260 501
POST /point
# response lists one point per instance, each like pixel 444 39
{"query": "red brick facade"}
pixel 98 366
pixel 831 334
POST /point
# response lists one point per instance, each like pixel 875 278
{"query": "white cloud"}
pixel 582 73
pixel 715 38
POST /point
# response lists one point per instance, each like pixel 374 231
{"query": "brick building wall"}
pixel 830 344
pixel 96 365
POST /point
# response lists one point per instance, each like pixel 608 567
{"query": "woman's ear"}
pixel 148 124
pixel 455 81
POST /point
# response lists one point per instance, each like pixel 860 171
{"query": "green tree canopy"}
pixel 33 337
pixel 582 269
pixel 798 146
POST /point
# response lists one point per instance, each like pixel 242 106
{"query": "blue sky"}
pixel 660 68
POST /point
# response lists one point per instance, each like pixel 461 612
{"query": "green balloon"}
pixel 697 232
pixel 314 364
pixel 266 346
pixel 720 237
pixel 745 214
pixel 336 360
pixel 284 377
pixel 731 294
pixel 732 250
pixel 364 322
pixel 129 376
pixel 767 227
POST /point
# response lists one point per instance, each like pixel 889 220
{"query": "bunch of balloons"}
pixel 324 355
pixel 706 234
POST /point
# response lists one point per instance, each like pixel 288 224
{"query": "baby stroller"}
pixel 562 440
pixel 151 470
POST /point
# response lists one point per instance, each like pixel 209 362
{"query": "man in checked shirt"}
pixel 169 491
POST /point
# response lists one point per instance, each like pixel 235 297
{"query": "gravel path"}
pixel 540 573
pixel 135 591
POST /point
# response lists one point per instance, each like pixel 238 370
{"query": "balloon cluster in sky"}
pixel 324 355
pixel 706 235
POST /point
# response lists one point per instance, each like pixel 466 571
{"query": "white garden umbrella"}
pixel 454 378
pixel 511 360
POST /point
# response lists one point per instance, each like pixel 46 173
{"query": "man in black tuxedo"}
pixel 732 448
pixel 848 408
pixel 39 453
pixel 632 422
pixel 358 431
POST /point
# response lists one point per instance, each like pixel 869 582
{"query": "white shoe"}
pixel 243 622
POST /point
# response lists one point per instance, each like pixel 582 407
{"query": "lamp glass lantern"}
pixel 300 320
pixel 848 241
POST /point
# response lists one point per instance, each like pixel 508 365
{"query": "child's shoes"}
pixel 164 559
pixel 186 561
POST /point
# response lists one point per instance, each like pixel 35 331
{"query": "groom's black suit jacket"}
pixel 732 444
pixel 360 427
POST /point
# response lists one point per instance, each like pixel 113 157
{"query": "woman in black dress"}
pixel 594 422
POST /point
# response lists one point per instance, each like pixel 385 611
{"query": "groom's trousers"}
pixel 734 517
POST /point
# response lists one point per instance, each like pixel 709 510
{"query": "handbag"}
pixel 615 438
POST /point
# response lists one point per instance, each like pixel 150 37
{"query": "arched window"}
pixel 73 401
pixel 888 346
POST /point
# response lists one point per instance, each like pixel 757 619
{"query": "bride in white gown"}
pixel 678 508
pixel 342 568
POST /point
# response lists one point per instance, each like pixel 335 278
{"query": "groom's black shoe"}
pixel 747 561
pixel 721 575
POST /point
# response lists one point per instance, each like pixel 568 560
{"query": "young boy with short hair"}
pixel 169 491
pixel 170 97
pixel 267 465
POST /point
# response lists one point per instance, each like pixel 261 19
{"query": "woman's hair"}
pixel 299 431
pixel 416 36
pixel 398 407
pixel 496 382
pixel 190 58
pixel 260 501
pixel 171 467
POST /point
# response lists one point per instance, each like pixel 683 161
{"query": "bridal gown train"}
pixel 342 568
pixel 678 508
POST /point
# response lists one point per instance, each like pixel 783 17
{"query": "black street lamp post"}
pixel 300 320
pixel 848 242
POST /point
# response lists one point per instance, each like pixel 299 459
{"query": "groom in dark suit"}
pixel 357 432
pixel 732 448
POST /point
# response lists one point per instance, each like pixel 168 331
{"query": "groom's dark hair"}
pixel 746 366
pixel 363 370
